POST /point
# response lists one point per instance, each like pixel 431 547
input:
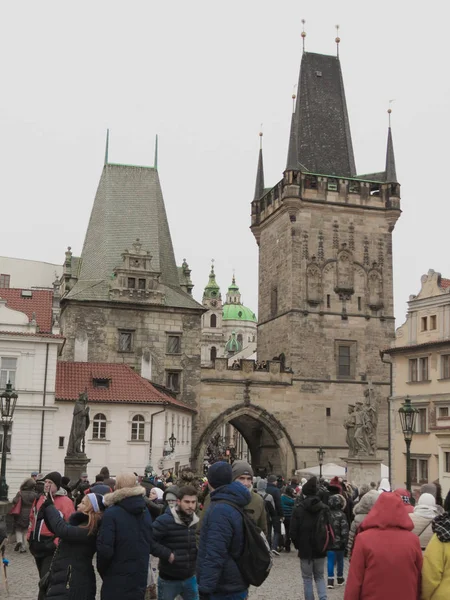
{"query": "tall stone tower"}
pixel 213 341
pixel 325 248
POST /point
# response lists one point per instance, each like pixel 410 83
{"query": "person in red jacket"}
pixel 386 560
pixel 42 541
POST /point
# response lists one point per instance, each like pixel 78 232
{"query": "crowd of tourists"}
pixel 217 536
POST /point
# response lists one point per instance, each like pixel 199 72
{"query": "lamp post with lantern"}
pixel 172 442
pixel 320 455
pixel 8 400
pixel 407 414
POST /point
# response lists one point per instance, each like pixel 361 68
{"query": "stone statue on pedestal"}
pixel 80 423
pixel 361 424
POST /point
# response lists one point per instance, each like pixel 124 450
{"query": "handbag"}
pixel 283 528
pixel 17 507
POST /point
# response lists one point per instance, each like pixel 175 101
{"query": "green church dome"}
pixel 238 312
pixel 233 345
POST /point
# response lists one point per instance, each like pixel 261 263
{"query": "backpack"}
pixel 255 561
pixel 323 533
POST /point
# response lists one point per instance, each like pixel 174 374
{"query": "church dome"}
pixel 233 345
pixel 238 312
pixel 233 310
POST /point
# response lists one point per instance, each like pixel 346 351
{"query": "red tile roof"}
pixel 125 385
pixel 40 304
pixel 444 283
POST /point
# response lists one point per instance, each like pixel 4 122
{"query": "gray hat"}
pixel 241 467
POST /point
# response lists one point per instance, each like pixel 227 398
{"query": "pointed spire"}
pixel 337 40
pixel 259 187
pixel 292 157
pixel 212 289
pixel 303 34
pixel 391 174
pixel 156 153
pixel 107 147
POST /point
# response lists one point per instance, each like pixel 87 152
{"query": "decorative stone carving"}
pixel 375 288
pixel 314 283
pixel 345 274
pixel 361 424
pixel 80 423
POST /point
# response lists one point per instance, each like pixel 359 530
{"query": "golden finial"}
pixel 303 34
pixel 260 137
pixel 337 40
pixel 293 98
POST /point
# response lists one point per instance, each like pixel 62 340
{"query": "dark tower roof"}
pixel 259 187
pixel 128 204
pixel 321 120
pixel 391 175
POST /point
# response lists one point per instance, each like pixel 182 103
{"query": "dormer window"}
pixel 100 382
pixel 332 185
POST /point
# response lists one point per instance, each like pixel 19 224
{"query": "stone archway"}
pixel 269 443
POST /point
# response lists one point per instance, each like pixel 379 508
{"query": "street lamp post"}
pixel 407 414
pixel 320 455
pixel 8 401
pixel 172 442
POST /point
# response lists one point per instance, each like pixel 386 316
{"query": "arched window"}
pixel 239 338
pixel 138 428
pixel 213 353
pixel 213 321
pixel 99 427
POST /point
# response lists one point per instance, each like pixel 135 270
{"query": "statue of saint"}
pixel 349 424
pixel 80 422
pixel 361 431
pixel 371 411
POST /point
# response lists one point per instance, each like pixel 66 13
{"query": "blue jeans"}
pixel 313 568
pixel 335 557
pixel 168 589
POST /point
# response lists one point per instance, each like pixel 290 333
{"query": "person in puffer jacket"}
pixel 287 504
pixel 436 561
pixel 336 550
pixel 360 511
pixel 174 542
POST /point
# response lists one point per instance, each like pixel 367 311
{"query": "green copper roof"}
pixel 238 312
pixel 233 345
pixel 233 287
pixel 212 290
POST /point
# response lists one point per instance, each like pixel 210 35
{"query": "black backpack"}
pixel 255 561
pixel 323 533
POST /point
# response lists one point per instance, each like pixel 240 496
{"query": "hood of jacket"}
pixel 387 513
pixel 365 504
pixel 426 511
pixel 337 502
pixel 441 527
pixel 233 492
pixel 313 504
pixel 28 485
pixel 176 517
pixel 131 499
pixel 60 492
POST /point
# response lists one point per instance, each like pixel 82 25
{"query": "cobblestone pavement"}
pixel 283 582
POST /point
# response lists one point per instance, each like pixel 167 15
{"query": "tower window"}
pixel 424 324
pixel 332 185
pixel 239 338
pixel 328 412
pixel 131 283
pixel 173 344
pixel 328 301
pixel 433 322
pixel 142 285
pixel 213 354
pixel 125 341
pixel 61 441
pixel 213 321
pixel 359 302
pixel 345 359
pixel 173 380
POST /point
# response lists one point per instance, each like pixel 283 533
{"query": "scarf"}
pixel 185 518
pixel 441 527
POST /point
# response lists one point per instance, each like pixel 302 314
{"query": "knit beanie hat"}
pixel 310 487
pixel 65 480
pixel 55 477
pixel 219 474
pixel 241 467
pixel 96 501
pixel 171 493
pixel 272 479
pixel 261 486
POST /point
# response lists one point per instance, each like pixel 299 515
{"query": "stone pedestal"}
pixel 75 465
pixel 363 469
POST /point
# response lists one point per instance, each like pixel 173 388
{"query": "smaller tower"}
pixel 213 342
pixel 239 322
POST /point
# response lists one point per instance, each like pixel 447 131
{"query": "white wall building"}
pixel 23 273
pixel 131 420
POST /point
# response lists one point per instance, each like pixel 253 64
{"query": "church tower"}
pixel 325 248
pixel 213 342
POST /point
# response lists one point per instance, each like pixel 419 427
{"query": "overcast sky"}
pixel 204 75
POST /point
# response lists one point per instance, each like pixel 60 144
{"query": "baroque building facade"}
pixel 420 356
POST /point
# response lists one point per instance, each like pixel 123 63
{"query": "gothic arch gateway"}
pixel 269 443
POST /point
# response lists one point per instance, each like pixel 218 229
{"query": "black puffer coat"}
pixel 72 575
pixel 28 495
pixel 339 522
pixel 170 534
pixel 303 525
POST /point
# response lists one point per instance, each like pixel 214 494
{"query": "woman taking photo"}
pixel 71 575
